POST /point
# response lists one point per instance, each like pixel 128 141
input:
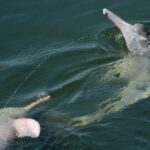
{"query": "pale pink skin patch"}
pixel 26 127
pixel 11 129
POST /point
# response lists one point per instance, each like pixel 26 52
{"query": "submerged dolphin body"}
pixel 134 69
pixel 13 123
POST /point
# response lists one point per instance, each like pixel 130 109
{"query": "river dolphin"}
pixel 133 70
pixel 14 124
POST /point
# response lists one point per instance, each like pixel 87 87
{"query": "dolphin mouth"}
pixel 119 22
pixel 105 12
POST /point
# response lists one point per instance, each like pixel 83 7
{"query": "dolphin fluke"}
pixel 40 100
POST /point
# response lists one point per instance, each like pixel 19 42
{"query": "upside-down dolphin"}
pixel 14 124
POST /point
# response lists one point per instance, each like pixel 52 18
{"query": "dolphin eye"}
pixel 138 27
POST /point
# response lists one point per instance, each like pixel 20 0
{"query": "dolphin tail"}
pixel 41 99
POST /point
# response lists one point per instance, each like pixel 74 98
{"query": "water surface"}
pixel 64 48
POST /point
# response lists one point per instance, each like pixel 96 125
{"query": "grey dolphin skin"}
pixel 137 37
pixel 14 124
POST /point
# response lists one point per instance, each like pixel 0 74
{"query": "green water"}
pixel 65 48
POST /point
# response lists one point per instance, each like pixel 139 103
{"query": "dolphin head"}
pixel 136 35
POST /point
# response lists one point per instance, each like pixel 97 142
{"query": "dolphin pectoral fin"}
pixel 135 91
